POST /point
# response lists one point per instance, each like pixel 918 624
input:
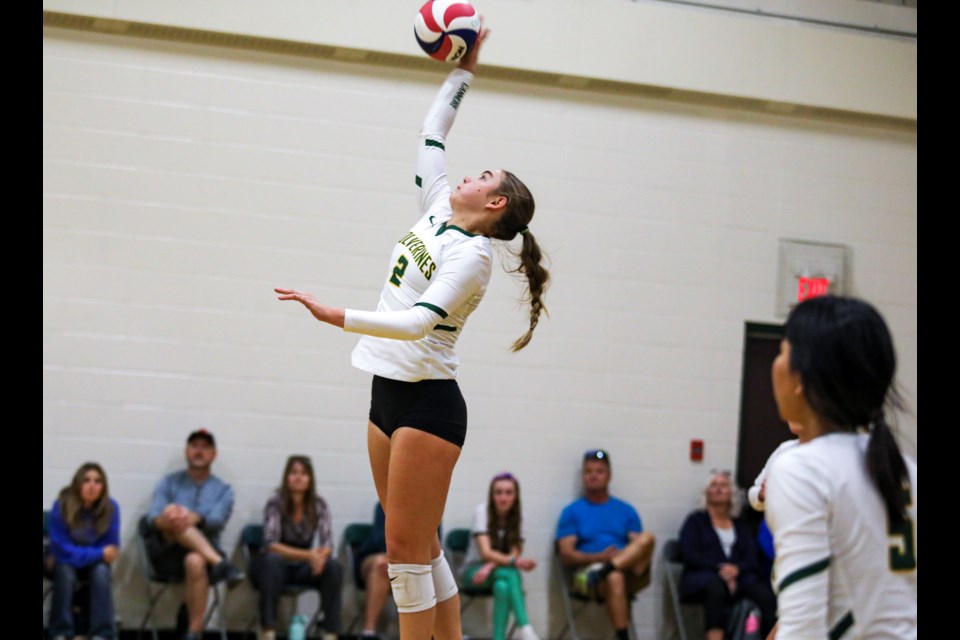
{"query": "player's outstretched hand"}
pixel 469 61
pixel 319 311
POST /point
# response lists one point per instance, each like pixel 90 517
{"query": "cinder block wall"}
pixel 181 183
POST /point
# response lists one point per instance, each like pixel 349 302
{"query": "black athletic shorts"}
pixel 434 406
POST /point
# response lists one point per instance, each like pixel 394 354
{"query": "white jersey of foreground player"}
pixel 437 273
pixel 840 571
pixel 753 493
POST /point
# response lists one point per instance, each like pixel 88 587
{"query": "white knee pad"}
pixel 444 584
pixel 412 586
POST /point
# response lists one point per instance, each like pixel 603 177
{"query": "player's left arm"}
pixel 462 273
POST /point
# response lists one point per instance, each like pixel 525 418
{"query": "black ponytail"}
pixel 888 471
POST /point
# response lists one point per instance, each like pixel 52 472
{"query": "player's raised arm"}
pixel 431 177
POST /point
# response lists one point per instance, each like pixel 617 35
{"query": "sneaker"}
pixel 223 570
pixel 585 580
pixel 527 633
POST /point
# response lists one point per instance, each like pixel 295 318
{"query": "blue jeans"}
pixel 97 578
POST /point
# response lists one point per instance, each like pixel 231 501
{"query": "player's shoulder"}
pixel 472 251
pixel 821 458
pixel 785 446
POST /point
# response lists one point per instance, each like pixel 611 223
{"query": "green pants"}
pixel 507 587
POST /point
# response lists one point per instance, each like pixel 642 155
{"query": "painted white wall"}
pixel 647 43
pixel 182 183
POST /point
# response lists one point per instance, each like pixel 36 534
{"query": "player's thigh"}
pixel 420 467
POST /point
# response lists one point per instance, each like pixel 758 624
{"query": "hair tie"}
pixel 524 231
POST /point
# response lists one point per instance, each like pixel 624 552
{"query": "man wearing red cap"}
pixel 189 510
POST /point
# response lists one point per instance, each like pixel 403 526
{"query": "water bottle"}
pixel 298 627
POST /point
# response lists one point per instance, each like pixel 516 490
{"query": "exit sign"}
pixel 812 288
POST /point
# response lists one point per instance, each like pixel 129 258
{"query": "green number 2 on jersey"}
pixel 903 554
pixel 399 270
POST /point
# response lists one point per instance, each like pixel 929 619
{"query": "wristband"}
pixel 513 561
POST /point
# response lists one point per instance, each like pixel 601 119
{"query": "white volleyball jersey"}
pixel 840 571
pixel 437 272
pixel 753 494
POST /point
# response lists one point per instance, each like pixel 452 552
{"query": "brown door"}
pixel 761 429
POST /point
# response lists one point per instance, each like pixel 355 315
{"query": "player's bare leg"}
pixel 412 472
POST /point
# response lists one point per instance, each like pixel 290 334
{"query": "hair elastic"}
pixel 524 231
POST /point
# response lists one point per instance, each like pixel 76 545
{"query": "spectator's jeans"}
pixel 97 578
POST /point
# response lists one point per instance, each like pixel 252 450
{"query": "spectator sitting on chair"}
pixel 297 548
pixel 189 510
pixel 494 559
pixel 602 536
pixel 720 562
pixel 84 542
pixel 370 571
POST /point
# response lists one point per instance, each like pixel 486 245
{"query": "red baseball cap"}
pixel 203 434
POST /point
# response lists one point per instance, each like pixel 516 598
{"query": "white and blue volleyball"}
pixel 446 29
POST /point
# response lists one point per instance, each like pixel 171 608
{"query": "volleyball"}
pixel 446 29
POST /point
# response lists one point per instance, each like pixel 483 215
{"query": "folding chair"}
pixel 354 536
pixel 158 583
pixel 674 569
pixel 575 603
pixel 251 544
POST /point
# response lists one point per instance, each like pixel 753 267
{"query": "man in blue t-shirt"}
pixel 602 536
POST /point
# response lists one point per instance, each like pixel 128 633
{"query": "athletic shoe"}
pixel 585 580
pixel 223 570
pixel 527 633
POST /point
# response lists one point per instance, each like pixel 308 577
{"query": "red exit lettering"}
pixel 812 288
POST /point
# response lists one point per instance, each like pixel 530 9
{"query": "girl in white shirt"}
pixel 494 560
pixel 842 506
pixel 436 277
